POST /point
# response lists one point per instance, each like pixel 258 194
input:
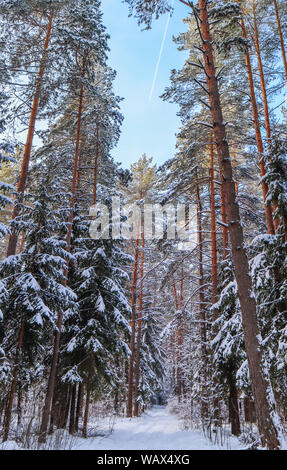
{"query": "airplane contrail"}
pixel 160 54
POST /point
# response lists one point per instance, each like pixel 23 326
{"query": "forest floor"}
pixel 157 429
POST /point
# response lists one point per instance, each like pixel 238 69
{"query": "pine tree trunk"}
pixel 21 186
pixel 133 327
pixel 224 220
pixel 79 406
pixel 56 409
pixel 52 376
pixel 88 396
pixel 264 96
pixel 260 382
pixel 96 165
pixel 249 411
pixel 233 406
pixel 178 361
pixel 234 166
pixel 172 338
pixel 19 410
pixel 214 276
pixel 260 148
pixel 180 328
pixel 174 292
pixel 8 411
pixel 139 331
pixel 72 409
pixel 281 37
pixel 204 408
pixel 117 390
pixel 65 407
pixel 2 408
pixel 214 273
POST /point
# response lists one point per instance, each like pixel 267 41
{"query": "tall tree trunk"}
pixel 234 166
pixel 224 219
pixel 8 411
pixel 19 409
pixel 56 408
pixel 79 406
pixel 214 273
pixel 174 292
pixel 21 186
pixel 96 164
pixel 214 276
pixel 233 406
pixel 133 327
pixel 261 75
pixel 88 395
pixel 179 336
pixel 172 337
pixel 176 359
pixel 260 381
pixel 179 359
pixel 264 94
pixel 204 408
pixel 260 148
pixel 73 409
pixel 249 411
pixel 139 330
pixel 65 406
pixel 52 376
pixel 281 37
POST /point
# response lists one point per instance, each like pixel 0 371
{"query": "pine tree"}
pixel 100 329
pixel 87 39
pixel 33 281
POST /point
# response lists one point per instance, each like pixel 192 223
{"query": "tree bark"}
pixel 72 410
pixel 172 337
pixel 139 330
pixel 224 220
pixel 204 408
pixel 88 396
pixel 180 330
pixel 234 166
pixel 79 406
pixel 96 164
pixel 214 276
pixel 264 96
pixel 268 208
pixel 21 186
pixel 214 273
pixel 233 406
pixel 260 381
pixel 249 410
pixel 281 38
pixel 133 327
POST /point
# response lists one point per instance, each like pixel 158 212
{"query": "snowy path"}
pixel 156 429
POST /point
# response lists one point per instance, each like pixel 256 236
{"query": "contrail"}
pixel 160 54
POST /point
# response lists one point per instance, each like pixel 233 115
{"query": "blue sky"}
pixel 150 125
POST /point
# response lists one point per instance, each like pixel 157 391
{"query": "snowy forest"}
pixel 113 327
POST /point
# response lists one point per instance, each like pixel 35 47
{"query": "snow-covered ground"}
pixel 155 430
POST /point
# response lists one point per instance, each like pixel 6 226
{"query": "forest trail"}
pixel 155 430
